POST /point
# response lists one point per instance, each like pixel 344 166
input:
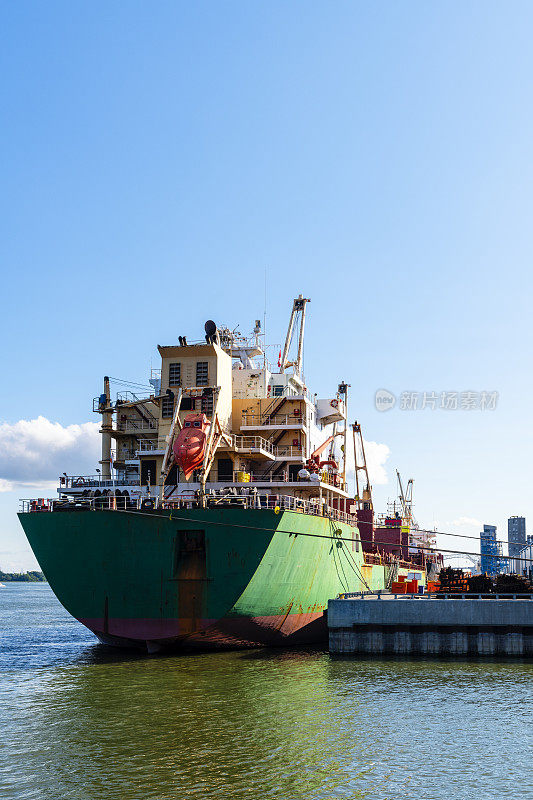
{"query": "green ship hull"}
pixel 200 577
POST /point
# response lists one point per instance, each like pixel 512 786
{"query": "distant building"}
pixel 522 563
pixel 492 560
pixel 516 535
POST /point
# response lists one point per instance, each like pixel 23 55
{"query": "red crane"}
pixel 314 464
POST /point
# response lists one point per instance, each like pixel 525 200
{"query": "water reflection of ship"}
pixel 225 725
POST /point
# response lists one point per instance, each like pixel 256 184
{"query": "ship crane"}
pixel 363 498
pixel 298 311
pixel 314 463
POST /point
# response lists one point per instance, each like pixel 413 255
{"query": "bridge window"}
pixel 167 406
pixel 174 375
pixel 207 404
pixel 202 373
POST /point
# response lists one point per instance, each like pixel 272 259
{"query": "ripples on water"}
pixel 81 721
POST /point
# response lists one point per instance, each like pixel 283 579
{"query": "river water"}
pixel 82 721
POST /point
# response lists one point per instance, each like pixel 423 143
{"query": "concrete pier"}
pixel 427 625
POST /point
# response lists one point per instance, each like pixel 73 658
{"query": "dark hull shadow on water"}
pixel 283 653
pixel 107 654
pixel 104 654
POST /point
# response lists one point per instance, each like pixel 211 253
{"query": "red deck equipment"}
pixel 190 444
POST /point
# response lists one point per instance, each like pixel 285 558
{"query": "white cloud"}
pixel 376 457
pixel 38 450
pixel 470 521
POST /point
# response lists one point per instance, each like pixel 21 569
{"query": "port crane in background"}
pixel 419 540
pixel 402 506
pixel 406 500
pixel 475 561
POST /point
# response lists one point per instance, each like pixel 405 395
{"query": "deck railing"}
pixel 252 498
pixel 333 480
pixel 281 477
pixel 131 397
pixel 243 478
pixel 288 451
pixel 247 500
pixel 238 442
pixel 134 426
pixel 127 455
pixel 93 481
pixel 82 482
pixel 102 503
pixel 384 595
pixel 252 443
pixel 145 445
pixel 276 421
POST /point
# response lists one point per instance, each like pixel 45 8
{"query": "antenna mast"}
pixel 265 324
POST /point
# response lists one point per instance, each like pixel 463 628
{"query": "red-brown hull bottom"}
pixel 228 632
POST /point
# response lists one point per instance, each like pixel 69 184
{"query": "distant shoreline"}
pixel 33 576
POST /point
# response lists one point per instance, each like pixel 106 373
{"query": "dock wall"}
pixel 431 626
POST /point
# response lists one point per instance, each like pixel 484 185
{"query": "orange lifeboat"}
pixel 190 444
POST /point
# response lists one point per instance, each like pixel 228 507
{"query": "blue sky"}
pixel 158 158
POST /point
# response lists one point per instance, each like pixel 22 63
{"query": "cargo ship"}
pixel 220 514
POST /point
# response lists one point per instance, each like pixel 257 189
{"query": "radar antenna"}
pixel 211 333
